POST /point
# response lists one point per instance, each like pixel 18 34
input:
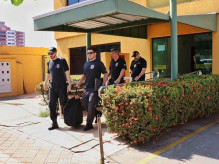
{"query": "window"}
pixel 71 2
pixel 194 53
pixel 78 56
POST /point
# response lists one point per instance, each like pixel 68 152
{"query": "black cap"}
pixel 114 50
pixel 52 49
pixel 135 53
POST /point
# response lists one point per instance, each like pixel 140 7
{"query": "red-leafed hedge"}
pixel 140 111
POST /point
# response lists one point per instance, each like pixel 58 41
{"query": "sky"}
pixel 20 18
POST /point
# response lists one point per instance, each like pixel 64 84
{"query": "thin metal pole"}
pixel 100 139
pixel 174 39
pixel 88 43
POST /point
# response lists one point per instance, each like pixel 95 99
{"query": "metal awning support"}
pixel 206 21
pixel 174 39
pixel 88 41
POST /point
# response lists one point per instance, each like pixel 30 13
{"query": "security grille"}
pixel 5 77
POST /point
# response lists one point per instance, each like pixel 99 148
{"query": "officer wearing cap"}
pixel 57 74
pixel 138 67
pixel 117 68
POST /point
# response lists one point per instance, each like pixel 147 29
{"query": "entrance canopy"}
pixel 114 17
pixel 206 21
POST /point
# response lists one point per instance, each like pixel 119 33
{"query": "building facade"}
pixel 21 69
pixel 197 42
pixel 10 37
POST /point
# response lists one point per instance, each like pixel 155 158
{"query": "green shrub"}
pixel 45 94
pixel 140 111
pixel 44 113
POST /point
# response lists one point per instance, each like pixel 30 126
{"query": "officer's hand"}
pixel 136 78
pixel 117 81
pixel 69 88
pixel 78 85
pixel 45 87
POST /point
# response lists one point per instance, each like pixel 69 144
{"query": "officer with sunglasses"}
pixel 91 70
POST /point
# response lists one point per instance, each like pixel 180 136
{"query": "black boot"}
pixel 54 126
pixel 88 127
pixel 97 114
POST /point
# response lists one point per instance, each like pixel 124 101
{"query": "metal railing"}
pixel 198 72
pixel 153 75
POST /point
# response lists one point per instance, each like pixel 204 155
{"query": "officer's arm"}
pixel 105 78
pixel 67 73
pixel 81 80
pixel 46 81
pixel 131 69
pixel 121 74
pixel 142 72
pixel 109 73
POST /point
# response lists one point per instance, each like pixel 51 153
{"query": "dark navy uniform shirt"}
pixel 136 67
pixel 115 69
pixel 57 69
pixel 92 70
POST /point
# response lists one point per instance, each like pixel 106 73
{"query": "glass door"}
pixel 161 59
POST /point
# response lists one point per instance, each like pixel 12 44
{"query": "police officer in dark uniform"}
pixel 92 70
pixel 138 67
pixel 117 68
pixel 57 74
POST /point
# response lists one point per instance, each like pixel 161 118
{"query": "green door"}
pixel 160 57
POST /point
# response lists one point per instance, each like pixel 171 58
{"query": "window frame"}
pixel 78 1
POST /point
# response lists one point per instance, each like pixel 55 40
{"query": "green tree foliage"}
pixel 17 2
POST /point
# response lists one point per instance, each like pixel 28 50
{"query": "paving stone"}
pixel 3 147
pixel 53 156
pixel 3 159
pixel 19 153
pixel 3 155
pixel 26 160
pixel 7 143
pixel 30 153
pixel 1 141
pixel 12 161
pixel 9 151
pixel 40 158
pixel 85 147
pixel 65 155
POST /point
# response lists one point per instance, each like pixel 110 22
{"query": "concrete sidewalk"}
pixel 25 137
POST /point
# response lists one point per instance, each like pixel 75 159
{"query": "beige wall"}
pixel 192 7
pixel 26 67
pixel 215 50
pixel 128 45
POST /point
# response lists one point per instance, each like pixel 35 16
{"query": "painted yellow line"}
pixel 148 158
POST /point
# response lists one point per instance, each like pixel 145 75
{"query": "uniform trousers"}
pixel 89 102
pixel 55 93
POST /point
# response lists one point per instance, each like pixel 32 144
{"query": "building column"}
pixel 88 42
pixel 174 39
pixel 215 49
